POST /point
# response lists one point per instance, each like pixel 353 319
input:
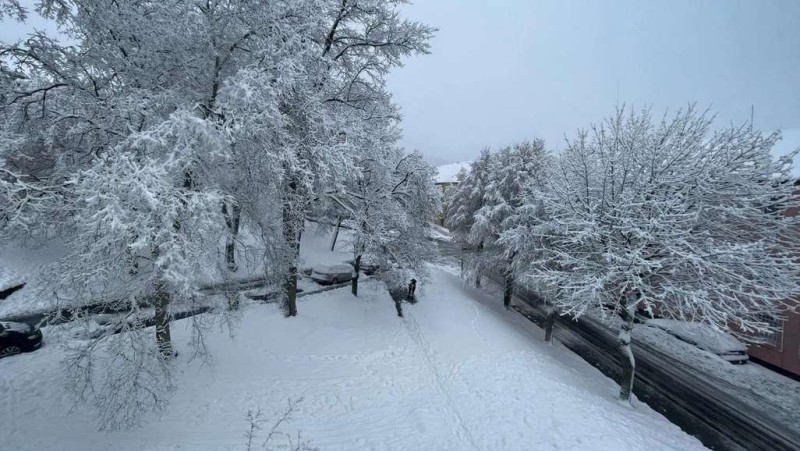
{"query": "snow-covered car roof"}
pixel 700 334
pixel 332 269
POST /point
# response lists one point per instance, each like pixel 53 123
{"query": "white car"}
pixel 704 337
pixel 332 274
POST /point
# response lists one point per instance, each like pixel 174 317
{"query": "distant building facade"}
pixel 782 349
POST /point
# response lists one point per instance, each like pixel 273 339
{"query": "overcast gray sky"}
pixel 505 70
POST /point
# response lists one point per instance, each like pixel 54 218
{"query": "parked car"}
pixel 18 337
pixel 368 268
pixel 704 337
pixel 332 274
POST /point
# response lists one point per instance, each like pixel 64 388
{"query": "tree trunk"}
pixel 508 290
pixel 290 308
pixel 336 234
pixel 628 362
pixel 291 233
pixel 131 259
pixel 357 268
pixel 477 274
pixel 508 285
pixel 549 324
pixel 233 300
pixel 552 315
pixel 232 213
pixel 162 319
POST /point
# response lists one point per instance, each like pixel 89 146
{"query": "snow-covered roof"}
pixel 447 173
pixel 789 143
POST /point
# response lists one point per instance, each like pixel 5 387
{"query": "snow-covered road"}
pixel 457 373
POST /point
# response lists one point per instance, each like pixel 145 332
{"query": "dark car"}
pixel 18 337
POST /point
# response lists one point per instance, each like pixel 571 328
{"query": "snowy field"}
pixel 457 373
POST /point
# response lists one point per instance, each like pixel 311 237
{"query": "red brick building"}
pixel 783 347
pixel 783 351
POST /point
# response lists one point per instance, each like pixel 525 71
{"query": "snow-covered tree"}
pixel 358 44
pixel 526 236
pixel 668 216
pixel 484 204
pixel 514 171
pixel 389 204
pixel 465 200
pixel 156 127
pixel 399 239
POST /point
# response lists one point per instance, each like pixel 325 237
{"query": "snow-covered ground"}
pixel 315 247
pixel 458 372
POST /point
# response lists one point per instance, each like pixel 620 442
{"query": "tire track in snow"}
pixel 416 334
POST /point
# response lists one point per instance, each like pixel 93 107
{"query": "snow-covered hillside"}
pixel 457 373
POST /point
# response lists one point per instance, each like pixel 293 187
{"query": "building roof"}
pixel 447 173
